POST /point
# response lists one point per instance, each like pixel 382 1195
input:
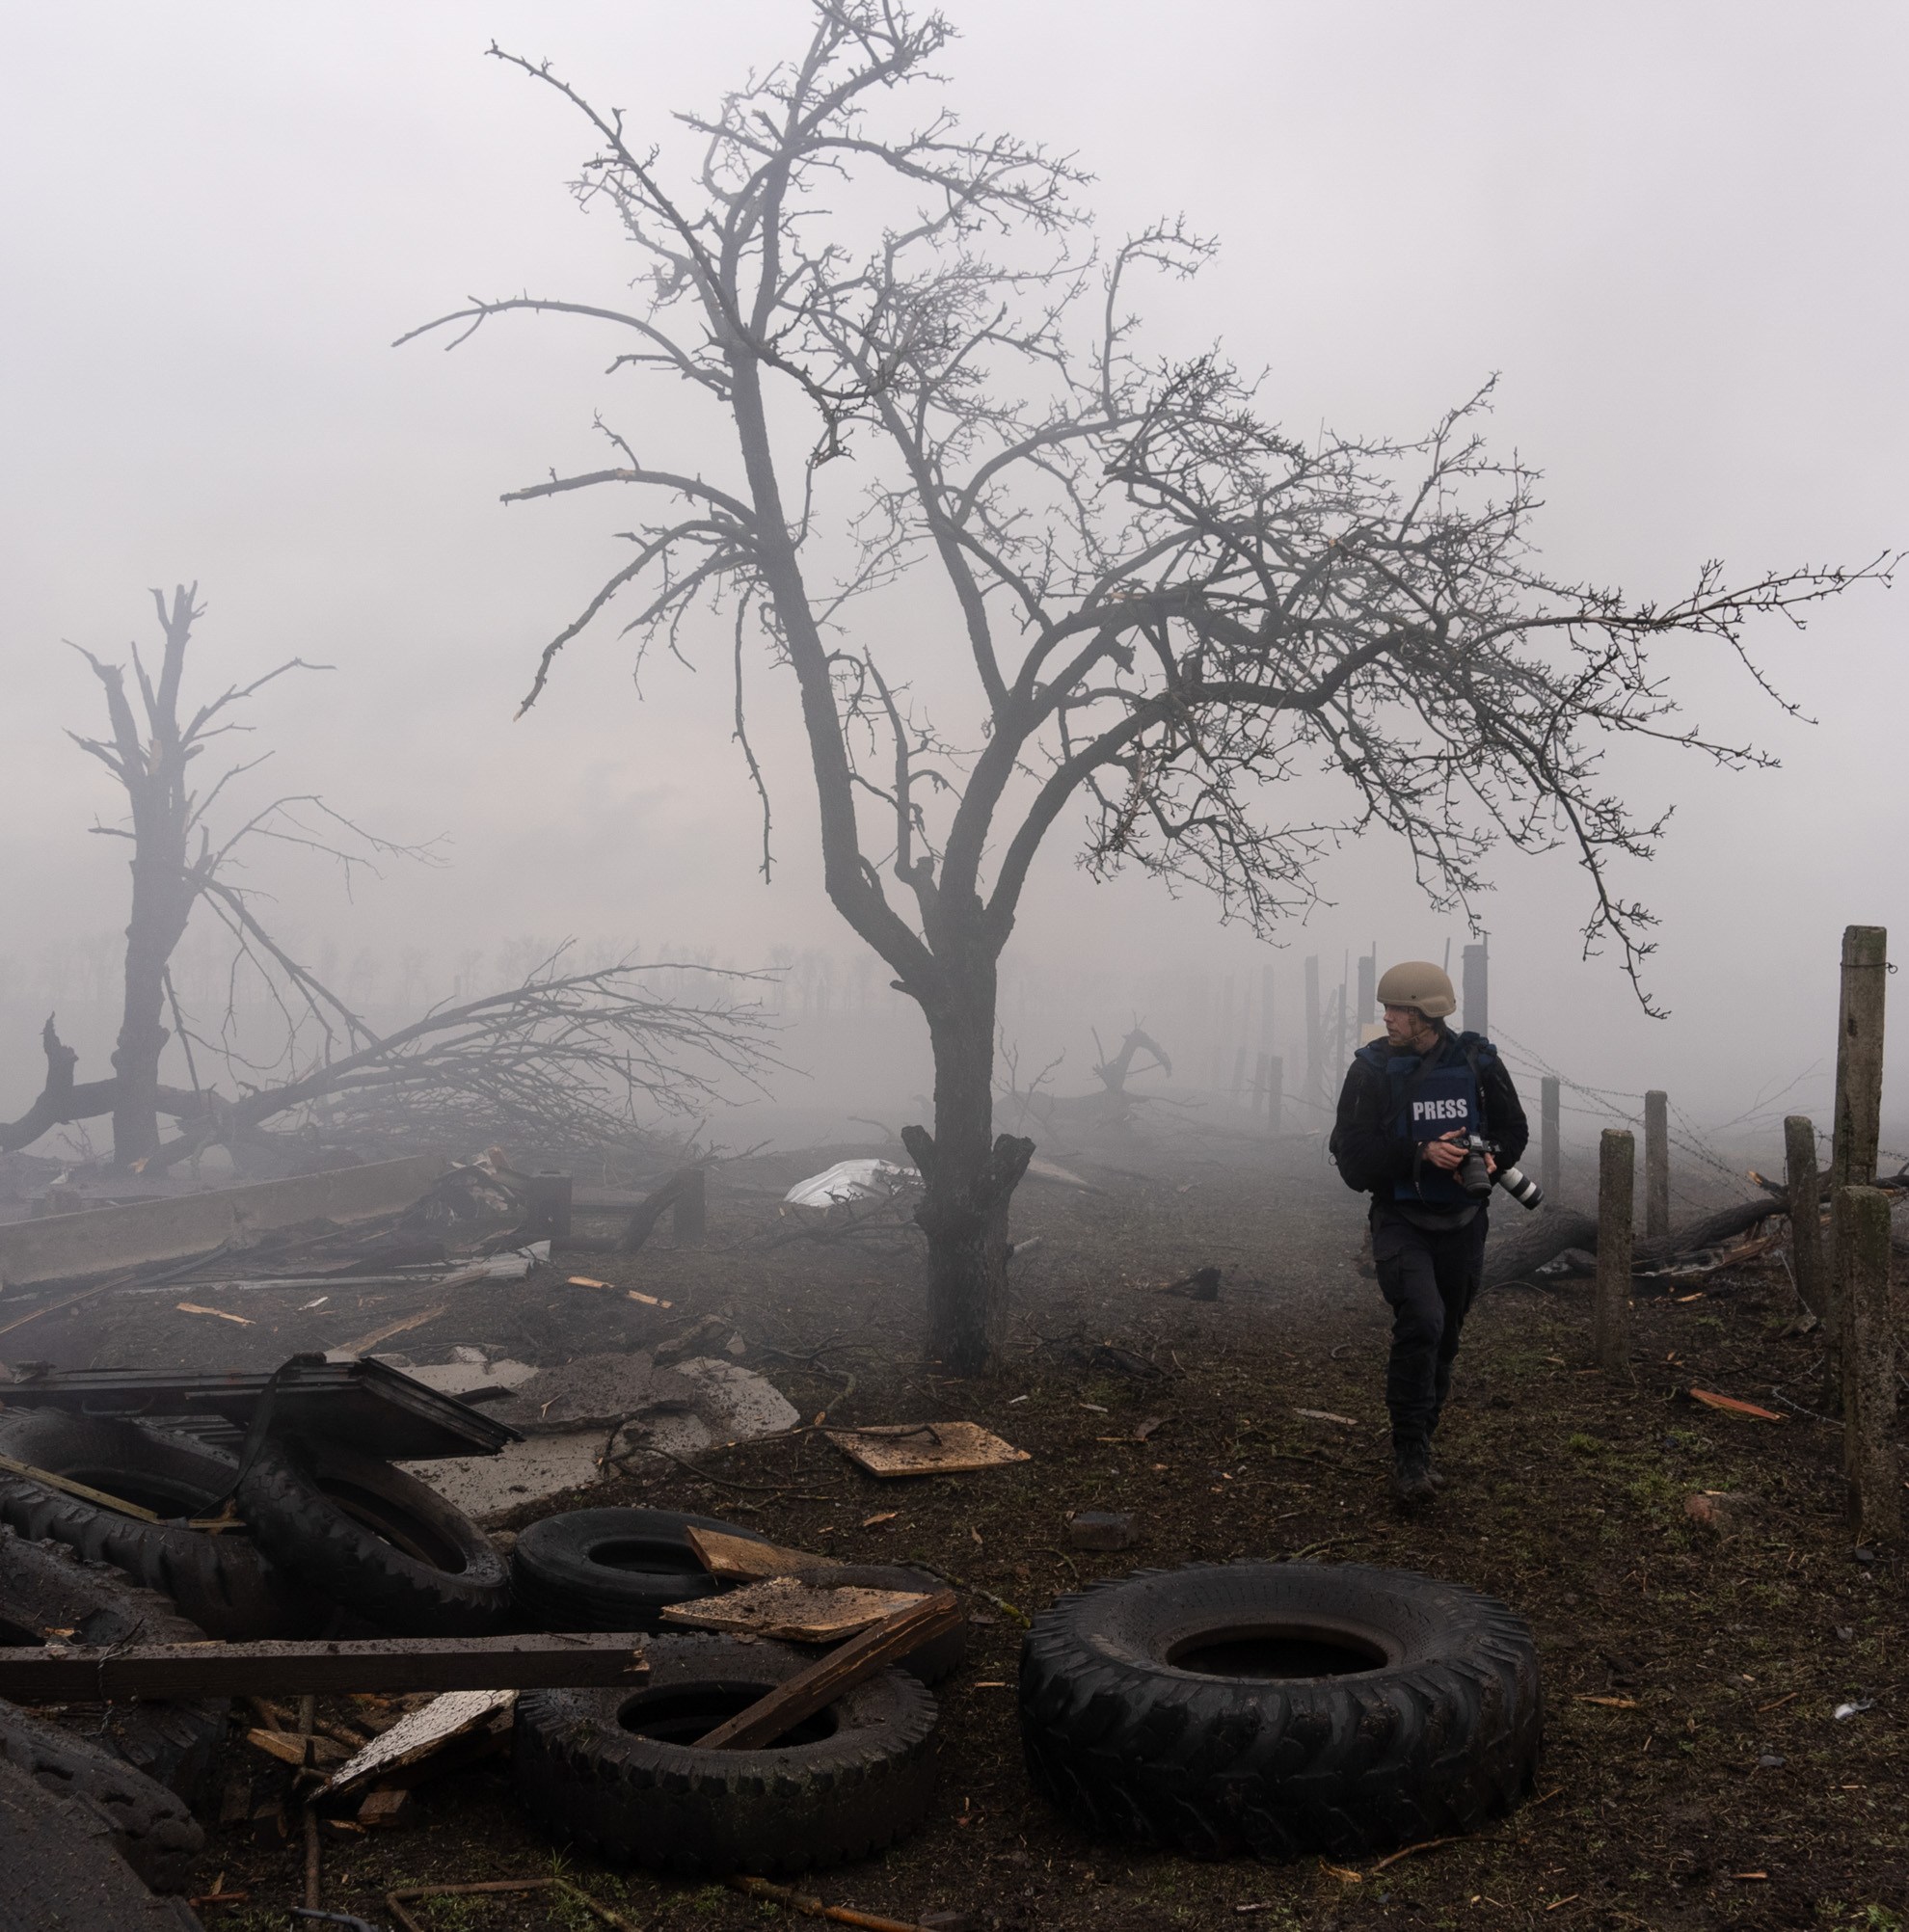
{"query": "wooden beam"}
pixel 841 1670
pixel 86 1673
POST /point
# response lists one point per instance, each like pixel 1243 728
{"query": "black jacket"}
pixel 1369 1150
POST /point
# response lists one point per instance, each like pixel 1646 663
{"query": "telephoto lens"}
pixel 1521 1187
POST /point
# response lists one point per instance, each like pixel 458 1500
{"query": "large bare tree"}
pixel 565 1057
pixel 1165 605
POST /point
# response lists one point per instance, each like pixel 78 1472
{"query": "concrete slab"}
pixel 487 1487
pixel 736 1401
pixel 467 1380
pixel 596 1392
pixel 727 1403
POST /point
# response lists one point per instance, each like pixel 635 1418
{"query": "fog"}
pixel 1675 233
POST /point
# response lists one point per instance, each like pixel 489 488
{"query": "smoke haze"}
pixel 1675 233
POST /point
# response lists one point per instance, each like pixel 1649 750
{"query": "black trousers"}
pixel 1431 1277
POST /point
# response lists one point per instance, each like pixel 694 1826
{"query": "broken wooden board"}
pixel 841 1670
pixel 747 1557
pixel 97 1673
pixel 924 1448
pixel 1730 1403
pixel 796 1612
pixel 421 1734
pixel 292 1747
pixel 56 1247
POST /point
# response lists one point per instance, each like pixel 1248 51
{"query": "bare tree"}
pixel 564 1057
pixel 1167 603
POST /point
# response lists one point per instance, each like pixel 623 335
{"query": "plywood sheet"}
pixel 798 1613
pixel 924 1448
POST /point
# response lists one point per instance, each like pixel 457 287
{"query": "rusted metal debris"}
pixel 376 1408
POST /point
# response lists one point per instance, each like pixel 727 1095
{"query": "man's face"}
pixel 1402 1026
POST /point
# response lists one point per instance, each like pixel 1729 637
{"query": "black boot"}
pixel 1441 1389
pixel 1412 1473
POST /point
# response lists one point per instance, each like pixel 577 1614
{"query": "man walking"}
pixel 1410 1103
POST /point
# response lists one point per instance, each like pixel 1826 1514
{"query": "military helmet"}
pixel 1417 983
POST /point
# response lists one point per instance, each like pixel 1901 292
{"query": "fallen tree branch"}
pixel 1524 1248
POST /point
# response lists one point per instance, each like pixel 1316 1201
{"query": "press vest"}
pixel 1426 1106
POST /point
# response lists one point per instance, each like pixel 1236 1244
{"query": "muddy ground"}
pixel 1693 1775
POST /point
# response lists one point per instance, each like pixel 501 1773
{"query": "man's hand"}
pixel 1447 1152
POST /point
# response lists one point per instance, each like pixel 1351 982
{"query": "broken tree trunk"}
pixel 1545 1234
pixel 967 1186
pixel 686 1191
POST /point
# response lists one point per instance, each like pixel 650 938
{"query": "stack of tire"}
pixel 329 1528
pixel 621 1772
pixel 115 1778
pixel 331 1531
pixel 338 1540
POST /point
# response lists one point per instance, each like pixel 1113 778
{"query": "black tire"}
pixel 152 1829
pixel 849 1781
pixel 59 1870
pixel 612 1570
pixel 1169 1708
pixel 376 1540
pixel 45 1590
pixel 222 1581
pixel 935 1659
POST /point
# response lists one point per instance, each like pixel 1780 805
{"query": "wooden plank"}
pixel 421 1734
pixel 742 1556
pixel 85 1674
pixel 172 1228
pixel 794 1611
pixel 841 1670
pixel 365 1344
pixel 924 1448
pixel 68 1487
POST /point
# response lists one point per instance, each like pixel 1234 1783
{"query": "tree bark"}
pixel 161 902
pixel 969 1179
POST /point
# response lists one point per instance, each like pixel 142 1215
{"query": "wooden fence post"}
pixel 688 1219
pixel 1806 1226
pixel 1315 1038
pixel 1474 989
pixel 1276 1095
pixel 1617 1165
pixel 1547 1136
pixel 1869 1376
pixel 1858 1126
pixel 1656 1165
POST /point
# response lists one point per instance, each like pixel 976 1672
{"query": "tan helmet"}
pixel 1417 983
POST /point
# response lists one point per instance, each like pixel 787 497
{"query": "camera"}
pixel 1478 1180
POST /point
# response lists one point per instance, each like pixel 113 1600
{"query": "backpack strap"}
pixel 1426 1064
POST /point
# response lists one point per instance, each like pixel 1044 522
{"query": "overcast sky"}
pixel 1676 233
